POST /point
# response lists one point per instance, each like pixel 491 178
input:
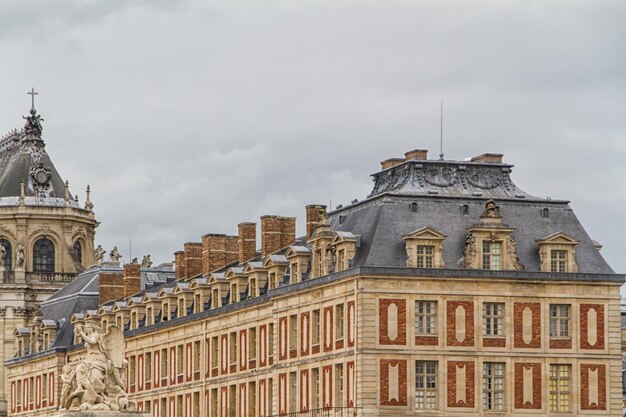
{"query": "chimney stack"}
pixel 181 265
pixel 218 250
pixel 193 259
pixel 246 241
pixel 313 212
pixel 287 231
pixel 391 162
pixel 110 286
pixel 132 279
pixel 489 158
pixel 421 154
pixel 276 233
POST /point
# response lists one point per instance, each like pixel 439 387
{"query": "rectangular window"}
pixel 315 388
pixel 272 279
pixel 252 288
pixel 163 407
pixel 293 332
pixel 215 345
pixel 44 387
pixel 293 382
pixel 424 256
pixel 315 328
pixel 493 386
pixel 31 390
pixel 149 317
pixel 558 261
pixel 234 295
pixel 270 340
pixel 213 402
pixel 270 396
pixel 252 399
pixel 339 385
pixel 197 303
pixel 147 406
pixel 341 259
pixel 165 314
pixel 18 389
pixel 559 320
pixel 180 359
pixel 294 272
pixel 131 371
pixel 425 385
pixel 196 404
pixel 426 317
pixel 147 367
pixel 252 343
pixel 179 405
pixel 182 311
pixel 215 298
pixel 560 387
pixel 491 255
pixel 232 401
pixel 233 348
pixel 339 321
pixel 493 319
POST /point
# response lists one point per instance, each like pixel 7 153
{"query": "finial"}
pixel 88 203
pixel 76 198
pixel 441 134
pixel 33 122
pixel 22 191
pixel 32 95
pixel 67 192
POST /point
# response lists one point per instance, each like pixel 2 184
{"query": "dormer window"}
pixel 557 253
pixel 233 293
pixel 181 307
pixel 424 256
pixel 424 248
pixel 197 303
pixel 149 317
pixel 272 278
pixel 166 312
pixel 558 261
pixel 216 298
pixel 252 288
pixel 492 252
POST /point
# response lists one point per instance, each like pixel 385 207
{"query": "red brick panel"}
pixel 351 321
pixel 595 403
pixel 304 390
pixel 494 342
pixel 386 336
pixel 243 399
pixel 469 384
pixel 327 386
pixel 329 325
pixel 393 392
pixel 451 323
pixel 207 365
pixel 350 383
pixel 305 333
pixel 518 325
pixel 585 343
pixel 282 393
pixel 536 386
pixel 283 351
pixel 561 343
pixel 262 398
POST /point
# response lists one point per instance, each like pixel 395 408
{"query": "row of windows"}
pixel 427 390
pixel 43 254
pixel 24 394
pixel 493 319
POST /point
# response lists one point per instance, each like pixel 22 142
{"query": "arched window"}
pixel 8 254
pixel 43 256
pixel 78 252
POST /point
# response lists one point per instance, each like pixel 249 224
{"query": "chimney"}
pixel 132 279
pixel 391 162
pixel 489 158
pixel 193 259
pixel 421 154
pixel 181 265
pixel 270 234
pixel 217 251
pixel 313 212
pixel 110 286
pixel 287 231
pixel 246 241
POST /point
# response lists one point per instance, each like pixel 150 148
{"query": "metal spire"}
pixel 32 95
pixel 441 134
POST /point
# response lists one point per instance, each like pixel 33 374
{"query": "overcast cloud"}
pixel 188 117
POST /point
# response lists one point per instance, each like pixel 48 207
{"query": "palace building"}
pixel 46 237
pixel 448 291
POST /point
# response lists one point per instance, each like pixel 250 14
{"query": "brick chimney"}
pixel 217 251
pixel 110 286
pixel 132 279
pixel 193 258
pixel 489 158
pixel 181 265
pixel 246 241
pixel 421 154
pixel 270 234
pixel 287 231
pixel 313 212
pixel 391 162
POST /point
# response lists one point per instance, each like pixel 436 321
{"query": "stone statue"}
pixel 323 219
pixel 99 255
pixel 19 257
pixel 134 261
pixel 512 254
pixel 330 260
pixel 94 382
pixel 491 211
pixel 3 254
pixel 115 255
pixel 469 253
pixel 146 262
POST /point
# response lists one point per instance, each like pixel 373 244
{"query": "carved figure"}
pixel 95 382
pixel 146 262
pixel 33 123
pixel 469 252
pixel 134 261
pixel 323 219
pixel 330 260
pixel 491 211
pixel 3 254
pixel 19 257
pixel 99 255
pixel 512 254
pixel 115 255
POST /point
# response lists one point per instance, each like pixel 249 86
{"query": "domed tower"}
pixel 46 238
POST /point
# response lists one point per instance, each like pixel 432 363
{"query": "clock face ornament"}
pixel 41 176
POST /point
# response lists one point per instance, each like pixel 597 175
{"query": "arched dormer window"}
pixel 43 256
pixel 78 251
pixel 8 254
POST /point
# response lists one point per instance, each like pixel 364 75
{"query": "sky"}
pixel 187 117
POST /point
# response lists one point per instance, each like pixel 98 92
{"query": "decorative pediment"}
pixel 253 266
pixel 341 237
pixel 165 293
pixel 104 310
pixel 234 272
pixel 558 238
pixel 181 287
pixel 77 317
pixel 275 260
pixel 297 250
pixel 425 233
pixel 198 283
pixel 148 297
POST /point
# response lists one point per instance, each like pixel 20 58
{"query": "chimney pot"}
pixel 391 162
pixel 421 154
pixel 489 158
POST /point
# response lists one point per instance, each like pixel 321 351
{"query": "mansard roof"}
pixel 450 196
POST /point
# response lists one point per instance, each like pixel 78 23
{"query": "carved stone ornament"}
pixel 19 257
pixel 96 381
pixel 514 260
pixel 491 211
pixel 99 255
pixel 33 124
pixel 470 253
pixel 115 255
pixel 146 262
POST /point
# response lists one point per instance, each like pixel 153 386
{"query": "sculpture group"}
pixel 95 382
